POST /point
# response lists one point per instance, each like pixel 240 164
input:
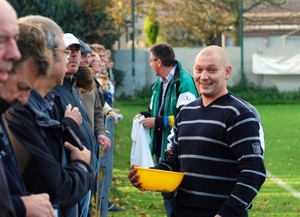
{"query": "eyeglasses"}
pixel 152 60
pixel 66 52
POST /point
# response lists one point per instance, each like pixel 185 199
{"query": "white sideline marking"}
pixel 283 185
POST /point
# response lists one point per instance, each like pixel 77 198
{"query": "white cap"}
pixel 70 39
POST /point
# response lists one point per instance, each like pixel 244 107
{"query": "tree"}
pixel 151 27
pixel 199 22
pixel 202 21
pixel 35 7
pixel 86 19
pixel 70 18
pixel 121 12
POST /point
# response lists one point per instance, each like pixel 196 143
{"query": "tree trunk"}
pixel 236 34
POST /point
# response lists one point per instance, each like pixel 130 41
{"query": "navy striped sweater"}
pixel 218 147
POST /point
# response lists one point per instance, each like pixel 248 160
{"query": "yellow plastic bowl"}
pixel 159 180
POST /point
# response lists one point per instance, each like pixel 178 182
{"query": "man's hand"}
pixel 148 122
pixel 137 116
pixel 38 205
pixel 115 115
pixel 105 142
pixel 76 154
pixel 133 178
pixel 168 152
pixel 74 114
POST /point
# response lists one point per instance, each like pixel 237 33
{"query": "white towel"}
pixel 140 151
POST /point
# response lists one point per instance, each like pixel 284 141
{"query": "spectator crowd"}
pixel 55 92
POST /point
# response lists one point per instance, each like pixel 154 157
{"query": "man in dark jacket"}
pixel 68 95
pixel 14 199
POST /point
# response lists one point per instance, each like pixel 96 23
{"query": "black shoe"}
pixel 114 208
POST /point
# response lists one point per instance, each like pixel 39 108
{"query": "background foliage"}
pixel 186 23
pixel 151 27
pixel 89 20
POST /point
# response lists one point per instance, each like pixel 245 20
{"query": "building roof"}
pixel 289 5
pixel 283 18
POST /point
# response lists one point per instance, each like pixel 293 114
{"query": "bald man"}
pixel 217 145
pixel 14 200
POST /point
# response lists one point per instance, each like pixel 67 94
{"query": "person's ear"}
pixel 159 63
pixel 228 72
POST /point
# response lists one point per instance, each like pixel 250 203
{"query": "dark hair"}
pixel 84 78
pixel 165 53
pixel 32 46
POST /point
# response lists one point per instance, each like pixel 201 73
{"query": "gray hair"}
pixel 50 29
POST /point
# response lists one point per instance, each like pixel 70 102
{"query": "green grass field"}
pixel 279 196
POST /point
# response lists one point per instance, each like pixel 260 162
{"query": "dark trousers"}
pixel 183 211
pixel 169 202
pixel 168 197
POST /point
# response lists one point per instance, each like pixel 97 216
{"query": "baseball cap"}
pixel 70 39
pixel 85 49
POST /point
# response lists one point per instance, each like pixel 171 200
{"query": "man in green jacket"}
pixel 173 89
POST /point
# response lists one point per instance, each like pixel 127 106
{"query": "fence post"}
pixel 106 166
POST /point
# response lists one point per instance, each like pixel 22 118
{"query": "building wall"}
pixel 144 74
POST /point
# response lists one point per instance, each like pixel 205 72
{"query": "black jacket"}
pixel 67 94
pixel 6 205
pixel 38 146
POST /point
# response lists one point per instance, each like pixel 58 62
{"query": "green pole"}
pixel 132 48
pixel 242 44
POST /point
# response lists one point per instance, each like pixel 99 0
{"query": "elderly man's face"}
pixel 73 60
pixel 9 31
